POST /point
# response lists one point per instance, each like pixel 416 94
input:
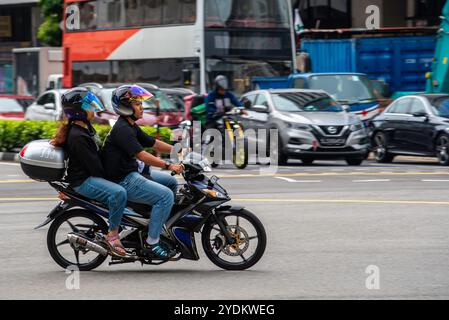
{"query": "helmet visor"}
pixel 92 103
pixel 139 94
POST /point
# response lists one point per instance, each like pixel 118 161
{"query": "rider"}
pixel 124 144
pixel 219 101
pixel 85 172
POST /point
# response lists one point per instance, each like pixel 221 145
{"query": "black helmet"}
pixel 124 95
pixel 221 82
pixel 77 101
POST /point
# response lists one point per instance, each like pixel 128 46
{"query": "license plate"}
pixel 332 141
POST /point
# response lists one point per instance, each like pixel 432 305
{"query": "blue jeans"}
pixel 159 192
pixel 109 193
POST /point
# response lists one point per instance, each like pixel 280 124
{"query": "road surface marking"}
pixel 29 199
pixel 336 174
pixel 297 181
pixel 430 180
pixel 285 179
pixel 16 181
pixel 286 201
pixel 10 164
pixel 341 201
pixel 372 180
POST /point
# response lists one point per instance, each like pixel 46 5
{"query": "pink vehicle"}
pixel 13 106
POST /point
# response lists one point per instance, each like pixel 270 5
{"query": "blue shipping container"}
pixel 331 55
pixel 401 61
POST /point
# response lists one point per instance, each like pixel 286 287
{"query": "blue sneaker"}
pixel 159 251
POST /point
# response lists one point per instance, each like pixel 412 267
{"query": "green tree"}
pixel 49 32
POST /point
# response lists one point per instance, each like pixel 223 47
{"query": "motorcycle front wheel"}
pixel 249 240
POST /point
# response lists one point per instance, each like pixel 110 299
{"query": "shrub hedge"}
pixel 15 134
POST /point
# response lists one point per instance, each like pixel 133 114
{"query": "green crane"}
pixel 438 78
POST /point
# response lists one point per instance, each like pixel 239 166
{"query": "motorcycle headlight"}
pixel 356 127
pixel 213 193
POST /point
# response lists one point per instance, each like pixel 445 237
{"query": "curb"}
pixel 9 156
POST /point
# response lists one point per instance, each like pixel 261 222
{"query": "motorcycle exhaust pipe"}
pixel 78 240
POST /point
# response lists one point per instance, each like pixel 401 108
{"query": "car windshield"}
pixel 302 102
pixel 441 106
pixel 165 103
pixel 348 88
pixel 10 105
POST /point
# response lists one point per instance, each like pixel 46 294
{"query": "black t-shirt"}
pixel 83 153
pixel 120 148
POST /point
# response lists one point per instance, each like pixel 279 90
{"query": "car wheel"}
pixel 307 161
pixel 380 148
pixel 442 146
pixel 278 153
pixel 354 162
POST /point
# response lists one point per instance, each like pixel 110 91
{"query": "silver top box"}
pixel 41 153
pixel 42 161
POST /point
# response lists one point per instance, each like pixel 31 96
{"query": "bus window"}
pixel 152 12
pixel 134 12
pixel 247 13
pixel 116 14
pixel 88 15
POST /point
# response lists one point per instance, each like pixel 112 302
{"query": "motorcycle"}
pixel 230 128
pixel 232 237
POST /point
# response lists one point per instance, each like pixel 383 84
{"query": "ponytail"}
pixel 60 137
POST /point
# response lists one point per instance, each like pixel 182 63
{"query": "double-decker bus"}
pixel 177 43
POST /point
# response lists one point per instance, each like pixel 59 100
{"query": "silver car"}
pixel 46 107
pixel 311 125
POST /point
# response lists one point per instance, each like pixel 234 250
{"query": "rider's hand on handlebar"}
pixel 243 111
pixel 176 168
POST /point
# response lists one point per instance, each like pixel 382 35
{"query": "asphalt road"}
pixel 326 224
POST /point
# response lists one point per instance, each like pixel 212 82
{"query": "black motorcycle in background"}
pixel 232 237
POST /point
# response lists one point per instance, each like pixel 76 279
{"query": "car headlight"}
pixel 299 126
pixel 356 127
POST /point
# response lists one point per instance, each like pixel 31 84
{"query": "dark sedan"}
pixel 416 125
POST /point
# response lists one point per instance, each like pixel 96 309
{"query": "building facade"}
pixel 19 22
pixel 333 14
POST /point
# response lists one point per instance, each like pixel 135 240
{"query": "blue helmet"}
pixel 77 101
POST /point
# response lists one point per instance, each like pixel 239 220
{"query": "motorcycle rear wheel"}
pixel 54 244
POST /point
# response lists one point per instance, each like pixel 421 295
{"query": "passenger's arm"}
pixel 162 147
pixel 151 160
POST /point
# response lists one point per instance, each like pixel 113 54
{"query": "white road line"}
pixel 372 180
pixel 10 164
pixel 431 180
pixel 286 179
pixel 298 181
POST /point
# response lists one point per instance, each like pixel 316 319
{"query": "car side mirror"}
pixel 420 114
pixel 50 106
pixel 346 108
pixel 260 108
